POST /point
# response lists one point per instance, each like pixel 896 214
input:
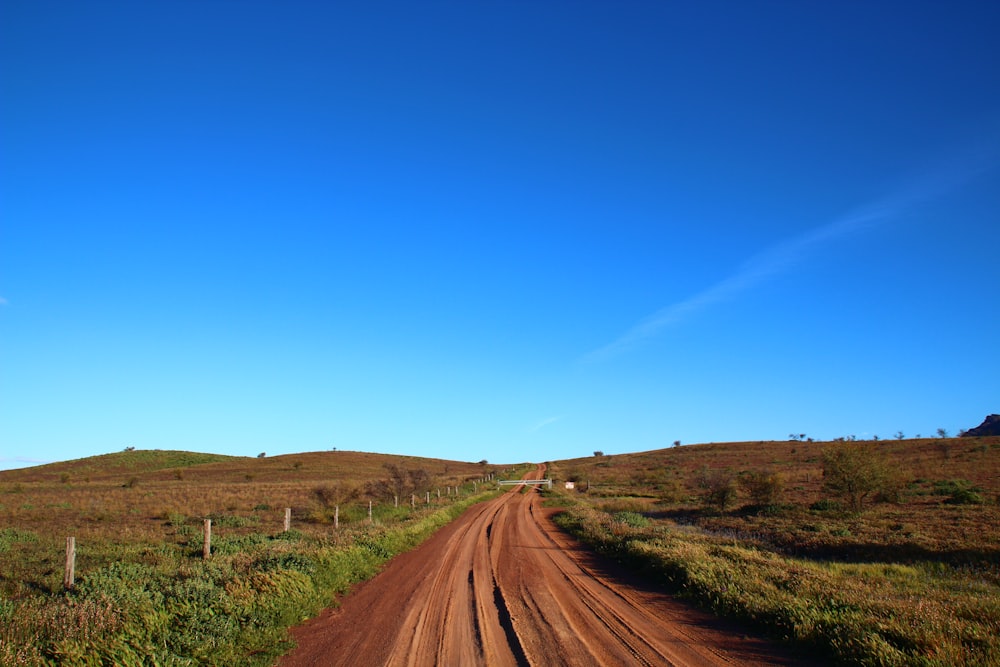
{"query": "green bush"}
pixel 765 488
pixel 959 492
pixel 854 472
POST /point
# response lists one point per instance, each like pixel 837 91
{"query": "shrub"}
pixel 855 472
pixel 672 491
pixel 336 493
pixel 765 488
pixel 826 505
pixel 718 488
pixel 959 492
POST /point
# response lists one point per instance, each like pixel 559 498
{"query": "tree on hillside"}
pixel 718 488
pixel 854 472
pixel 399 482
pixel 764 487
pixel 336 493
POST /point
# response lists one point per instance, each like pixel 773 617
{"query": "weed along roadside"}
pixel 863 554
pixel 146 581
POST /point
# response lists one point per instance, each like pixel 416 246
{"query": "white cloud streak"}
pixel 780 258
pixel 544 423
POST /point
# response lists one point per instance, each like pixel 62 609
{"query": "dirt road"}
pixel 501 586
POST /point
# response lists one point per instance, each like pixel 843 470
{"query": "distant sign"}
pixel 570 485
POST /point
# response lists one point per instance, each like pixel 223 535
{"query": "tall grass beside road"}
pixel 863 553
pixel 927 613
pixel 144 594
pixel 163 607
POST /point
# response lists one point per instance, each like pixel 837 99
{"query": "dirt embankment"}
pixel 502 585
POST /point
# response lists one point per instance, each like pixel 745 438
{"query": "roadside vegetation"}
pixel 862 553
pixel 143 593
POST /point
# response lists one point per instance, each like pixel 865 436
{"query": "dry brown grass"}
pixel 922 523
pixel 910 579
pixel 127 501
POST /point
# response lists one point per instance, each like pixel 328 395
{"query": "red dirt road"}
pixel 501 585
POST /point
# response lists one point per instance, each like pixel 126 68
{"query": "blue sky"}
pixel 502 230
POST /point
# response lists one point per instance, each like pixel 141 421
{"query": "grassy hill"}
pixel 133 496
pixel 143 591
pixel 900 566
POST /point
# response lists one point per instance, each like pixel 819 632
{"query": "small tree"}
pixel 677 443
pixel 718 488
pixel 336 493
pixel 855 472
pixel 400 482
pixel 764 487
pixel 598 453
pixel 942 433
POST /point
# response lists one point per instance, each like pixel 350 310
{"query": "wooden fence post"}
pixel 395 501
pixel 336 516
pixel 369 511
pixel 69 577
pixel 206 549
pixel 428 497
pixel 413 501
pixel 288 518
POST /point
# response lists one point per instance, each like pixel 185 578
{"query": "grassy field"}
pixel 906 572
pixel 143 593
pixel 900 567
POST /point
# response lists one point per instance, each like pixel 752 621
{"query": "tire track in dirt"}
pixel 501 586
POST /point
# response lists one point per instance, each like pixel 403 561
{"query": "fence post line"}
pixel 336 516
pixel 288 518
pixel 369 511
pixel 395 501
pixel 206 549
pixel 439 494
pixel 428 497
pixel 70 576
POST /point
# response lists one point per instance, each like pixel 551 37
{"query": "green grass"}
pixel 924 613
pixel 143 593
pixel 159 604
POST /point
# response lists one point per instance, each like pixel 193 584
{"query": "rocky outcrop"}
pixel 990 426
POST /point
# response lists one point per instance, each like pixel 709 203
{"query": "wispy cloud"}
pixel 544 423
pixel 949 176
